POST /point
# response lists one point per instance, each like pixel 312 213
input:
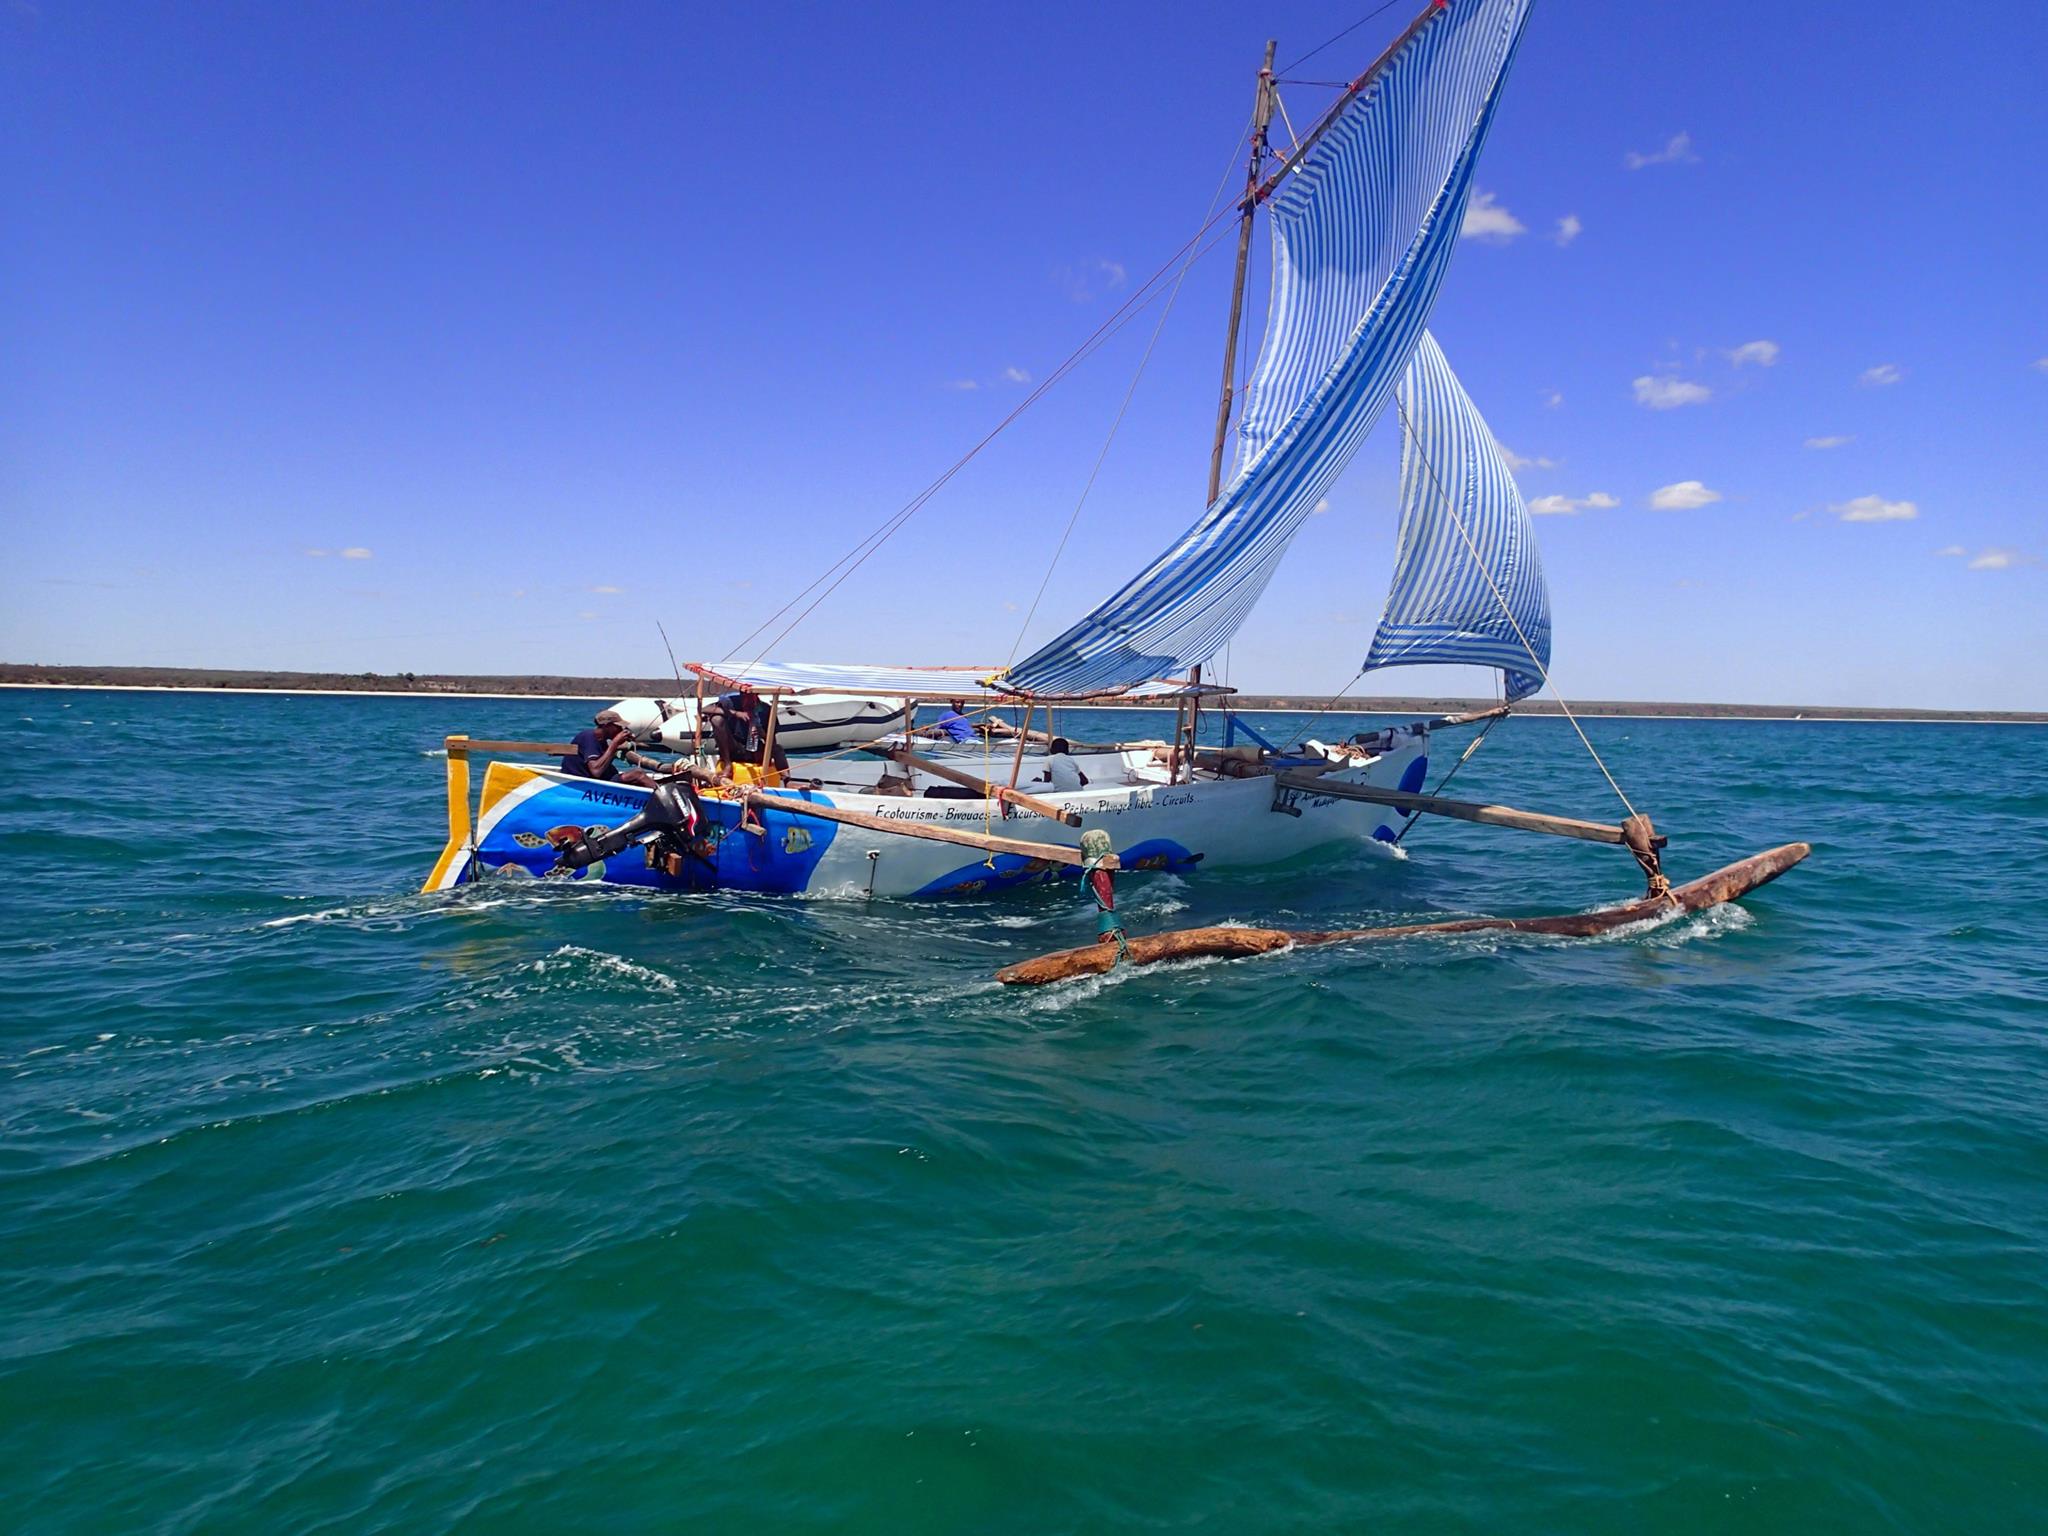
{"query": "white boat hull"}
pixel 1211 824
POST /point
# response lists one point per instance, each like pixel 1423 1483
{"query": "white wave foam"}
pixel 572 955
pixel 1731 917
pixel 306 917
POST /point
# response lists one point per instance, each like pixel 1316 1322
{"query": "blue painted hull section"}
pixel 777 861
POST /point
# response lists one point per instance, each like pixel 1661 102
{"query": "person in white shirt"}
pixel 1061 771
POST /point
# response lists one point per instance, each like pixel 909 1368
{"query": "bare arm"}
pixel 603 760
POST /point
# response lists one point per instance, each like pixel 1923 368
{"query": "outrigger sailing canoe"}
pixel 1364 213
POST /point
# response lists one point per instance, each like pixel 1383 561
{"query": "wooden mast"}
pixel 1262 117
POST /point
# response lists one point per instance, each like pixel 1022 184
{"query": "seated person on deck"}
pixel 952 726
pixel 739 724
pixel 1061 771
pixel 594 754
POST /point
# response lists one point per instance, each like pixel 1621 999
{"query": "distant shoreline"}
pixel 451 686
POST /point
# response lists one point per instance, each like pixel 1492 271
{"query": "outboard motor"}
pixel 669 823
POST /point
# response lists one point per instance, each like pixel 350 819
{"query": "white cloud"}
pixel 1683 496
pixel 1090 279
pixel 1677 150
pixel 317 554
pixel 1874 509
pixel 1517 463
pixel 355 552
pixel 1010 375
pixel 1320 508
pixel 1881 375
pixel 2041 363
pixel 1993 559
pixel 1829 442
pixel 1560 506
pixel 1763 353
pixel 1485 219
pixel 586 614
pixel 1568 229
pixel 1553 398
pixel 607 591
pixel 1664 394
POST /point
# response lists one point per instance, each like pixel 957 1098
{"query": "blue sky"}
pixel 478 337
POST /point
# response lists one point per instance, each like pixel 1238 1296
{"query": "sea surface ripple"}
pixel 327 1206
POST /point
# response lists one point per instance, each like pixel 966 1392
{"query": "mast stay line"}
pixel 1141 298
pixel 1293 160
pixel 1087 488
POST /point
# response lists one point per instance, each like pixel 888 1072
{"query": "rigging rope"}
pixel 988 826
pixel 1451 506
pixel 1449 774
pixel 1208 219
pixel 1330 703
pixel 1141 298
pixel 1319 47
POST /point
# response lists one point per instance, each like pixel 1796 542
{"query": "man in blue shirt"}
pixel 593 754
pixel 953 726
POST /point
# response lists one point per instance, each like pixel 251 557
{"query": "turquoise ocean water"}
pixel 326 1206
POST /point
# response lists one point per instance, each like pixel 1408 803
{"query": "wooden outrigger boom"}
pixel 1466 810
pixel 791 805
pixel 1723 885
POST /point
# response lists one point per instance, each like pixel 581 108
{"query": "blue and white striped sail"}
pixel 1468 583
pixel 1363 229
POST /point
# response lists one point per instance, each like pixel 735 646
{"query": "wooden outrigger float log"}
pixel 1723 885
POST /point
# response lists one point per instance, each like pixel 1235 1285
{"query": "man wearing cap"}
pixel 594 754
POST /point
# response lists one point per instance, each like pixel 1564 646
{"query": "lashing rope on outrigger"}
pixel 1100 883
